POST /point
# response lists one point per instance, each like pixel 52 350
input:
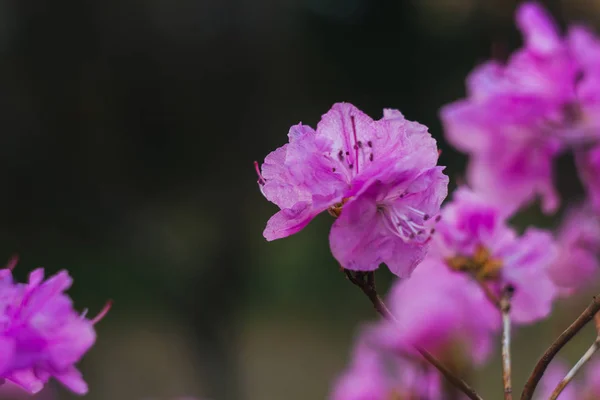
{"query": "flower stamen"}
pixel 261 181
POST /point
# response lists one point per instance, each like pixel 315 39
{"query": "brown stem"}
pixel 586 316
pixel 366 282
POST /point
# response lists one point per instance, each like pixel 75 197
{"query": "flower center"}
pixel 406 222
pixel 481 264
pixel 336 209
pixel 394 395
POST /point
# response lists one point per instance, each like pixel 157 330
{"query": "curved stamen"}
pixel 261 181
pixel 102 312
pixel 406 222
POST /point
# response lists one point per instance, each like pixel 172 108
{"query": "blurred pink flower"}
pixel 379 178
pixel 586 387
pixel 520 115
pixel 590 386
pixel 10 391
pixel 41 335
pixel 439 310
pixel 578 241
pixel 552 377
pixel 376 375
pixel 473 237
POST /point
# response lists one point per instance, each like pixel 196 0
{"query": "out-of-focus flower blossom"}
pixel 379 178
pixel 439 309
pixel 474 238
pixel 585 388
pixel 10 391
pixel 376 375
pixel 521 114
pixel 578 242
pixel 552 377
pixel 590 386
pixel 41 335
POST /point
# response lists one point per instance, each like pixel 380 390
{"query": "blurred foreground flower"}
pixel 521 114
pixel 10 391
pixel 375 375
pixel 439 310
pixel 379 178
pixel 41 335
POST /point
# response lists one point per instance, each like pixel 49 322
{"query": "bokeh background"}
pixel 129 128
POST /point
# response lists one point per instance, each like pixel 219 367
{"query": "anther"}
pixel 333 169
pixel 261 180
pixel 341 155
pixel 371 157
pixel 355 142
pixel 437 218
pixel 370 144
pixel 350 166
pixel 359 143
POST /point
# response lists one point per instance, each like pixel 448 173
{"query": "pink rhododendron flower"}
pixel 552 377
pixel 578 241
pixel 439 310
pixel 10 391
pixel 474 238
pixel 590 386
pixel 379 178
pixel 375 375
pixel 41 335
pixel 586 387
pixel 520 115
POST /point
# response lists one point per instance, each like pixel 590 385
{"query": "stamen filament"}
pixel 102 312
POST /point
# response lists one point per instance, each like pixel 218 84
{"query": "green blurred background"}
pixel 129 128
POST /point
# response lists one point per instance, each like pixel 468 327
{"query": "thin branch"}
pixel 576 368
pixel 586 316
pixel 506 367
pixel 366 282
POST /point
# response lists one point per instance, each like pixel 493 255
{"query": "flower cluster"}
pixel 445 307
pixel 521 114
pixel 477 278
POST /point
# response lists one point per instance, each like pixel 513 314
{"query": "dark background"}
pixel 129 129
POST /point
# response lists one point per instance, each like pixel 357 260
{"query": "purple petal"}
pixel 289 221
pixel 538 27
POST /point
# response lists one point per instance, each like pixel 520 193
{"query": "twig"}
pixel 586 316
pixel 576 368
pixel 506 367
pixel 366 282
